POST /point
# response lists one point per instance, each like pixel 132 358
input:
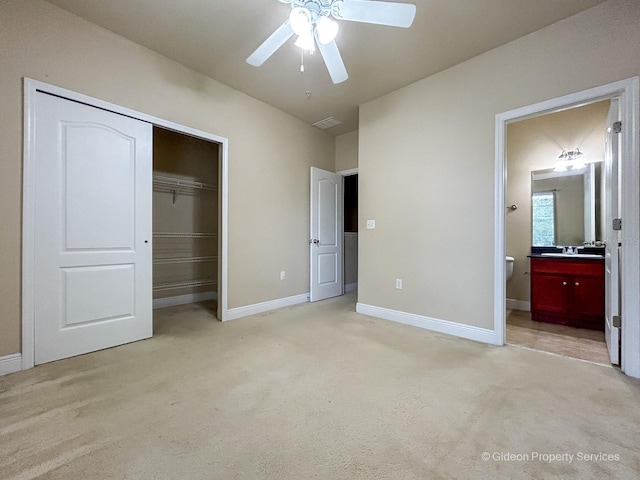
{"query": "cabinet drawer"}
pixel 567 266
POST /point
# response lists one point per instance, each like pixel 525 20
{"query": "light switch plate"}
pixel 371 224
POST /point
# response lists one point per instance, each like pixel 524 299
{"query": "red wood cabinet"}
pixel 569 291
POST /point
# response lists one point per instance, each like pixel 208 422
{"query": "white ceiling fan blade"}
pixel 380 13
pixel 333 61
pixel 270 45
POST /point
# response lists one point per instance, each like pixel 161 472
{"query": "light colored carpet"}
pixel 315 391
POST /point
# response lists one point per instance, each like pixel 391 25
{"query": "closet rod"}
pixel 180 183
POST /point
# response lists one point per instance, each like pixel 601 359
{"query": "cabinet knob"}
pixel 564 283
pixel 577 284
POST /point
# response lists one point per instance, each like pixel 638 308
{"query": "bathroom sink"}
pixel 572 255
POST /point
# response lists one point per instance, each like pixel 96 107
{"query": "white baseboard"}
pixel 351 287
pixel 10 364
pixel 443 326
pixel 239 312
pixel 184 299
pixel 513 304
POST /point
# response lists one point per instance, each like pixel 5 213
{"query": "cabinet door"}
pixel 588 296
pixel 550 293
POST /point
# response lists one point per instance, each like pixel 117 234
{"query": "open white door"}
pixel 612 249
pixel 326 235
pixel 92 229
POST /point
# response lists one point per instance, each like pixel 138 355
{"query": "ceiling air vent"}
pixel 327 123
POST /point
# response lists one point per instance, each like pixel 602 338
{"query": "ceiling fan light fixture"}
pixel 310 21
pixel 300 20
pixel 327 30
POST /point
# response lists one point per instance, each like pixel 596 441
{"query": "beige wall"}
pixel 426 160
pixel 535 144
pixel 268 169
pixel 347 151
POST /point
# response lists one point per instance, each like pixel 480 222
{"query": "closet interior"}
pixel 185 219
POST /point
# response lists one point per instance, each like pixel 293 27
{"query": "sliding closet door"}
pixel 93 229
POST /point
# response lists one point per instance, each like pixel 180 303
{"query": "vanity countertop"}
pixel 569 257
pixel 585 252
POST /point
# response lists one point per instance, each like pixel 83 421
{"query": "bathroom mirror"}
pixel 565 206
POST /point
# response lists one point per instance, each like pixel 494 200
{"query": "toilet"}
pixel 509 267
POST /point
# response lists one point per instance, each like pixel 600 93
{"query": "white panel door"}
pixel 612 237
pixel 93 173
pixel 326 235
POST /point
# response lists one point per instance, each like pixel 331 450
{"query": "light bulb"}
pixel 579 163
pixel 327 30
pixel 300 20
pixel 561 166
pixel 305 42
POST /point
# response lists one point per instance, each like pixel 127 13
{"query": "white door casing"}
pixel 326 235
pixel 612 237
pixel 92 234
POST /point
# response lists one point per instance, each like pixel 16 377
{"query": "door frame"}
pixel 31 87
pixel 627 91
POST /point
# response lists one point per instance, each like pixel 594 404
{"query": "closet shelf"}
pixel 174 183
pixel 183 235
pixel 188 284
pixel 159 261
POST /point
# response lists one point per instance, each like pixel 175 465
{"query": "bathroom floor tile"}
pixel 563 339
pixel 589 344
pixel 598 356
pixel 521 336
pixel 596 335
pixel 554 347
pixel 553 338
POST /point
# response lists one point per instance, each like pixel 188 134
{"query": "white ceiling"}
pixel 215 37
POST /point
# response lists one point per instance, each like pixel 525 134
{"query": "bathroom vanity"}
pixel 568 290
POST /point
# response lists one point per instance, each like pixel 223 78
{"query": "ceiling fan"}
pixel 311 21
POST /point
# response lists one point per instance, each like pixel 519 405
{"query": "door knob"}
pixel 315 241
pixel 577 284
pixel 564 283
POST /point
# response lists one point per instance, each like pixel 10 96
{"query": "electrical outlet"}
pixel 399 283
pixel 283 275
pixel 371 224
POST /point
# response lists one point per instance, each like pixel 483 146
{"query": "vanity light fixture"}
pixel 573 159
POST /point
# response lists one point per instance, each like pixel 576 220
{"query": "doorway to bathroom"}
pixel 574 301
pixel 556 208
